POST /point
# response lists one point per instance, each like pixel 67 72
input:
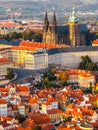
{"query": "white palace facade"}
pixel 71 57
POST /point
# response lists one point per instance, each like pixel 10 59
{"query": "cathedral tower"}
pixel 74 35
pixel 45 27
pixel 54 23
pixel 49 30
pixel 53 29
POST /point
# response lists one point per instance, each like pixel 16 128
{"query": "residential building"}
pixel 50 103
pixel 33 103
pixel 4 64
pixel 36 60
pixel 3 107
pixel 22 90
pixel 86 79
pixel 21 108
pixel 54 114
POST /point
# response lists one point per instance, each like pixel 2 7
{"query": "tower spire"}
pixel 73 12
pixel 54 23
pixel 73 17
pixel 46 22
pixel 54 19
pixel 46 18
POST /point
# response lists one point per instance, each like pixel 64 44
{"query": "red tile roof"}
pixel 3 101
pixel 3 60
pixel 33 100
pixel 95 42
pixel 54 111
pixel 22 88
pixel 41 45
pixel 39 118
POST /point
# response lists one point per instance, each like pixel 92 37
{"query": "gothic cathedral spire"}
pixel 54 23
pixel 46 22
pixel 54 20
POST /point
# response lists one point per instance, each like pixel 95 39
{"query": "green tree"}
pixel 13 35
pixel 21 118
pixel 26 35
pixel 67 119
pixel 46 80
pixel 53 71
pixel 10 73
pixel 37 128
pixel 87 64
pixel 37 36
pixel 63 76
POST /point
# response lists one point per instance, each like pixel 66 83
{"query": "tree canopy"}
pixel 10 73
pixel 87 64
pixel 37 128
pixel 63 76
pixel 26 35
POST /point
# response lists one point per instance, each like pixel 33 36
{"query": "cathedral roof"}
pixel 62 29
pixel 83 28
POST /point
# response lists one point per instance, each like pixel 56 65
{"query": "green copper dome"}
pixel 73 17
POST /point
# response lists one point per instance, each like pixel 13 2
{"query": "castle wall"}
pixel 71 59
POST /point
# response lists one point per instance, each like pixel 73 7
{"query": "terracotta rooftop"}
pixel 3 101
pixel 39 118
pixel 29 123
pixel 33 100
pixel 54 111
pixel 80 73
pixel 41 45
pixel 95 42
pixel 22 88
pixel 4 89
pixel 3 60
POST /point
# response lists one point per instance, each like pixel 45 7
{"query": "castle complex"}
pixel 72 34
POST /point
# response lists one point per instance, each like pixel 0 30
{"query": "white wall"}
pixel 71 59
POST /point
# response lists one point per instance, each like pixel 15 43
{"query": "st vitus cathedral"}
pixel 72 34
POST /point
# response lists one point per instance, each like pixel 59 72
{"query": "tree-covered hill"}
pixel 36 8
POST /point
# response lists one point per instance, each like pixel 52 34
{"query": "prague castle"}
pixel 72 34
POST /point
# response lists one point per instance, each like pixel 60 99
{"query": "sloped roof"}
pixel 3 60
pixel 62 29
pixel 4 41
pixel 83 28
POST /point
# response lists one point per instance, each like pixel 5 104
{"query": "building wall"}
pixel 54 117
pixel 3 109
pixel 40 61
pixel 21 110
pixel 34 107
pixel 71 59
pixel 3 68
pixel 36 61
pixel 86 81
pixel 55 59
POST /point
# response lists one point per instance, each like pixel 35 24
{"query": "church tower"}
pixel 45 27
pixel 53 29
pixel 54 23
pixel 49 30
pixel 74 34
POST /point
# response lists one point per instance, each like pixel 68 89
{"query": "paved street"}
pixel 23 73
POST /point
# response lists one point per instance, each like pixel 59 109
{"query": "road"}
pixel 23 73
